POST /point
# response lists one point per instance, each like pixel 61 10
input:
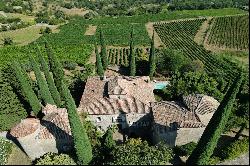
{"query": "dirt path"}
pixel 92 58
pixel 201 34
pixel 150 30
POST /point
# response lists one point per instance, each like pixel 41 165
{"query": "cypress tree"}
pixel 81 141
pixel 152 58
pixel 212 133
pixel 132 64
pixel 26 88
pixel 42 84
pixel 11 108
pixel 107 140
pixel 103 51
pixel 55 67
pixel 99 67
pixel 52 87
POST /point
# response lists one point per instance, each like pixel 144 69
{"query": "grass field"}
pixel 24 36
pixel 18 157
pixel 25 18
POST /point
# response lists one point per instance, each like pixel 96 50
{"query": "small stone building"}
pixel 120 100
pixel 51 134
pixel 180 123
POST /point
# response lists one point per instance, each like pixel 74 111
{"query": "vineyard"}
pixel 120 56
pixel 230 32
pixel 116 31
pixel 179 36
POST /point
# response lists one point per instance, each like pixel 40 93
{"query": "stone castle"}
pixel 127 102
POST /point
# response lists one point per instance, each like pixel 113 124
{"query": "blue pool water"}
pixel 160 85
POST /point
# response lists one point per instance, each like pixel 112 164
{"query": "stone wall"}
pixel 186 135
pixel 35 147
pixel 131 121
pixel 176 137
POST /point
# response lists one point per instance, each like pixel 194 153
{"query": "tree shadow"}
pixel 64 141
pixel 77 89
pixel 15 141
pixel 142 68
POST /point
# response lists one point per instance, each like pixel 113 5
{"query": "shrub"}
pixel 185 150
pixel 169 61
pixel 70 65
pixel 41 31
pixel 7 41
pixel 213 160
pixel 47 30
pixel 5 150
pixel 55 159
pixel 193 66
pixel 135 152
pixel 68 5
pixel 235 149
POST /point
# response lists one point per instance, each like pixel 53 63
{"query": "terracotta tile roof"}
pixel 137 91
pixel 108 106
pixel 94 88
pixel 192 101
pixel 200 104
pixel 114 87
pixel 167 113
pixel 55 124
pixel 186 115
pixel 25 127
pixel 59 128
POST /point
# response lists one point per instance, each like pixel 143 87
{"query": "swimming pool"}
pixel 160 85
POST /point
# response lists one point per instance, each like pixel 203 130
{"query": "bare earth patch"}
pixel 200 36
pixel 74 11
pixel 91 30
pixel 150 30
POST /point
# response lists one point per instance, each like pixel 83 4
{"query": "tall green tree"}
pixel 132 64
pixel 108 141
pixel 152 65
pixel 11 108
pixel 55 67
pixel 27 90
pixel 103 51
pixel 52 87
pixel 212 133
pixel 99 66
pixel 41 82
pixel 81 141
